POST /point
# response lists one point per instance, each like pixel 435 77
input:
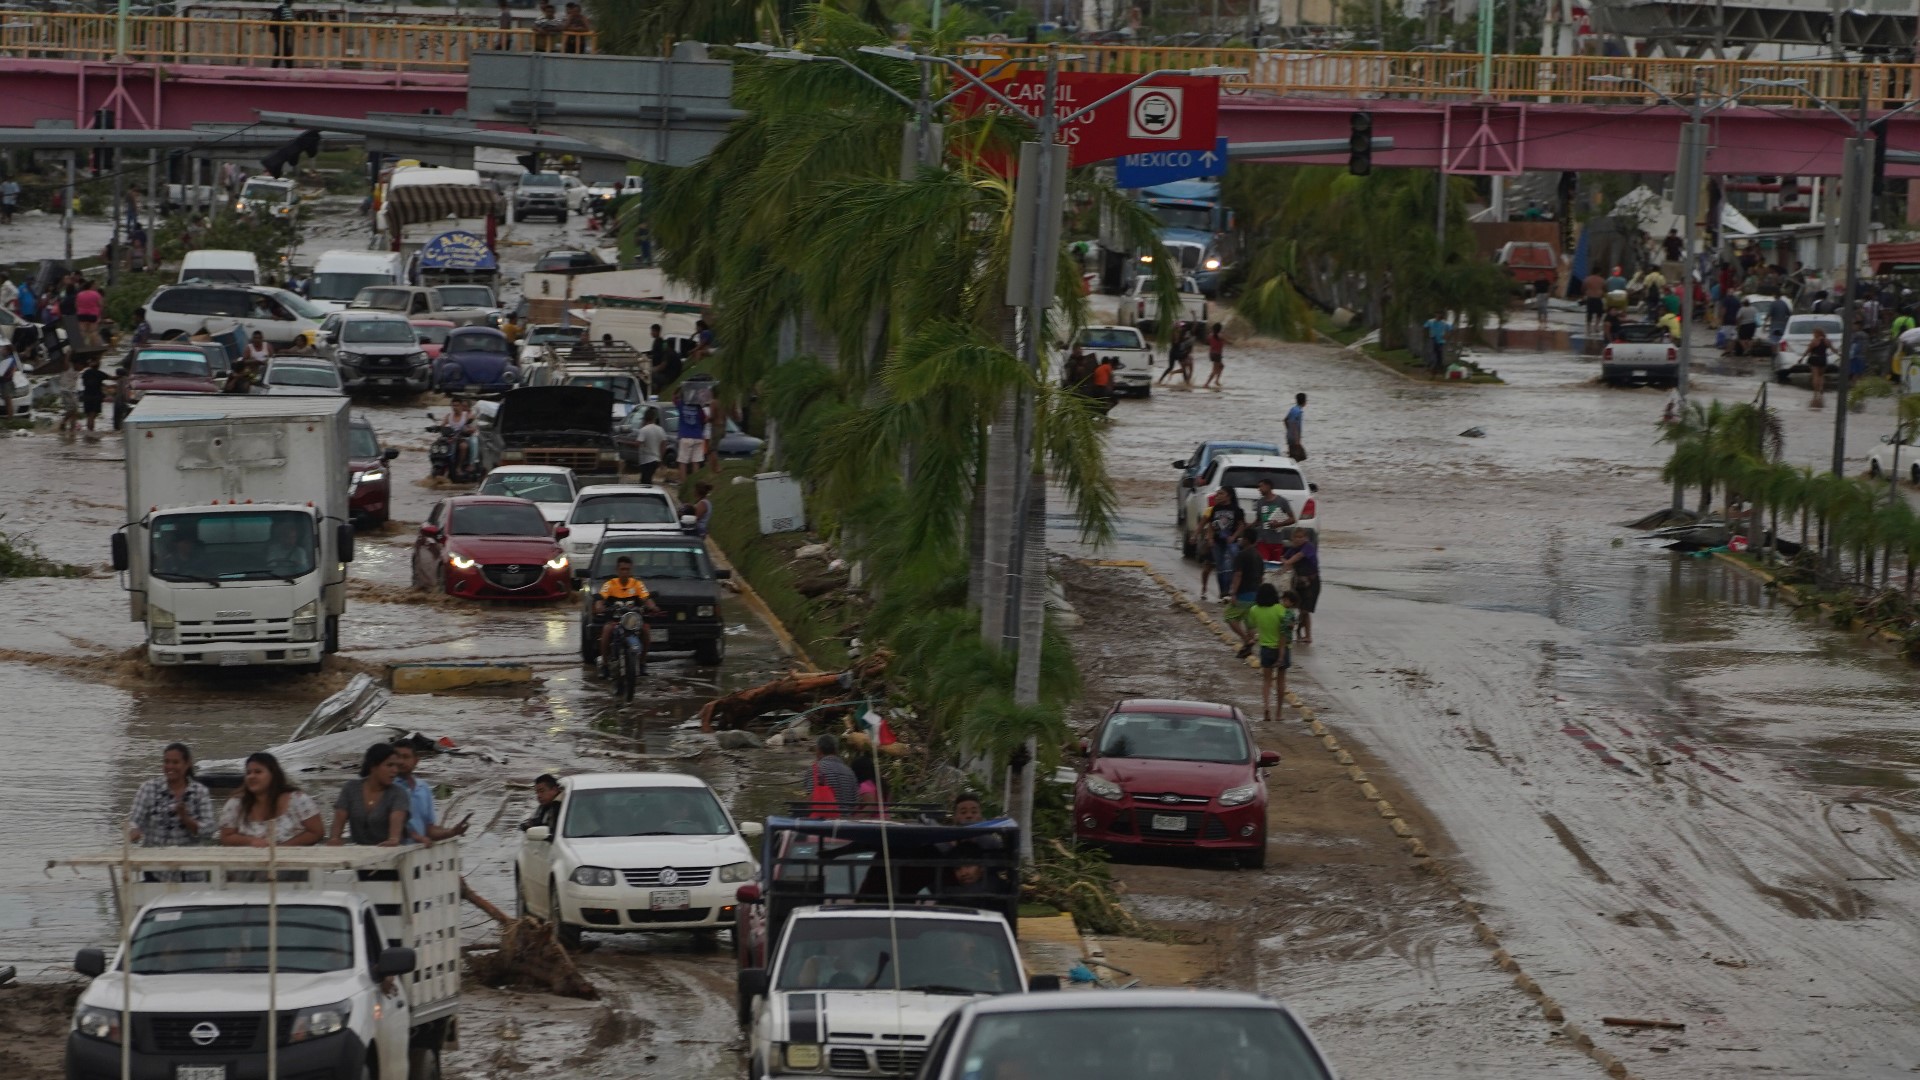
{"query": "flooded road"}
pixel 1671 798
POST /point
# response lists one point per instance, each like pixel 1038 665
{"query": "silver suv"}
pixel 540 193
pixel 375 350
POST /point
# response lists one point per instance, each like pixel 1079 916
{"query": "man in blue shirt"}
pixel 1778 313
pixel 420 810
pixel 1296 421
pixel 1437 330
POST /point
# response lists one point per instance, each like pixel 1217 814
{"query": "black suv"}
pixel 684 584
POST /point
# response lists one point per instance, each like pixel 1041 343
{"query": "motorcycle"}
pixel 440 454
pixel 627 659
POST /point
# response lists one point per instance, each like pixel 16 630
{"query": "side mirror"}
pixel 752 830
pixel 753 983
pixel 90 962
pixel 1268 759
pixel 121 557
pixel 561 532
pixel 430 531
pixel 1086 747
pixel 722 574
pixel 393 961
pixel 540 832
pixel 1179 464
pixel 1041 984
pixel 389 455
pixel 345 540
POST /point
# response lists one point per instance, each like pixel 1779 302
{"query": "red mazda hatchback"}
pixel 490 547
pixel 1182 774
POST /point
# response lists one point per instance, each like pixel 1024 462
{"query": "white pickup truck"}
pixel 1644 355
pixel 858 990
pixel 1141 308
pixel 345 967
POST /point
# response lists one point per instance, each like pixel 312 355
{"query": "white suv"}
pixel 636 507
pixel 1243 472
pixel 634 852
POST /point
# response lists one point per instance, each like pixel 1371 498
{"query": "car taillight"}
pixel 1606 353
pixel 1307 510
pixel 1672 354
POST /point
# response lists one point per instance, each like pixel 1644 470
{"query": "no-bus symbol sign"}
pixel 1154 113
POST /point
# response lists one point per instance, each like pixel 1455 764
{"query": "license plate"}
pixel 200 1072
pixel 1641 373
pixel 1169 823
pixel 669 899
pixel 232 659
pixel 658 637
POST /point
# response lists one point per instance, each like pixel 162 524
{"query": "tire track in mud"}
pixel 1549 1009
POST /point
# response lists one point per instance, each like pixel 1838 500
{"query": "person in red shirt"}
pixel 86 310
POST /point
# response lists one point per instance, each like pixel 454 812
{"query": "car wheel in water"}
pixel 710 653
pixel 589 645
pixel 519 896
pixel 1873 468
pixel 1783 377
pixel 423 1063
pixel 567 935
pixel 1913 473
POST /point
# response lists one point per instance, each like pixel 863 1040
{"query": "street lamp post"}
pixel 1687 176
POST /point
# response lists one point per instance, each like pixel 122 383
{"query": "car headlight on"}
pixel 461 562
pixel 803 1055
pixel 592 875
pixel 162 628
pixel 97 1023
pixel 740 871
pixel 306 618
pixel 371 476
pixel 319 1021
pixel 1213 264
pixel 1146 258
pixel 1103 787
pixel 704 611
pixel 558 562
pixel 1239 796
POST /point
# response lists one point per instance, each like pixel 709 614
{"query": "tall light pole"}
pixel 1687 175
pixel 1856 193
pixel 1030 288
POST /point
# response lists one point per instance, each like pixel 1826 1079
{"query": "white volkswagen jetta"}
pixel 635 852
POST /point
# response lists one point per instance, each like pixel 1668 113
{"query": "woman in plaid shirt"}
pixel 172 809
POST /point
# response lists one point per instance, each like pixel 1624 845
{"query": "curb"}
pixel 1798 596
pixel 744 590
pixel 1550 1009
pixel 431 677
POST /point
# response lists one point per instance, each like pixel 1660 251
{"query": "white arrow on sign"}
pixel 1209 158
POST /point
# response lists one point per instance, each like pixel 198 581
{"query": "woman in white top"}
pixel 269 806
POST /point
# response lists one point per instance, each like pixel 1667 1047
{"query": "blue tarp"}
pixel 457 250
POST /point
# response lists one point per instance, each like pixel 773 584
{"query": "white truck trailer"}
pixel 315 963
pixel 237 536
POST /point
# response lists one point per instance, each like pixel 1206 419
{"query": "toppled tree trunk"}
pixel 529 955
pixel 792 691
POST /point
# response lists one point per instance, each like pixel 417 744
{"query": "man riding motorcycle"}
pixel 621 586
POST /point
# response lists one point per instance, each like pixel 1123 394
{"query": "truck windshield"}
pixel 378 332
pixel 465 296
pixel 384 299
pixel 270 193
pixel 1115 1042
pixel 555 335
pixel 1110 337
pixel 232 939
pixel 343 287
pixel 947 957
pixel 623 387
pixel 655 811
pixel 233 546
pixel 1175 216
pixel 651 563
pixel 636 509
pixel 192 365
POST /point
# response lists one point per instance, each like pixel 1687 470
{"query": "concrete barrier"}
pixel 434 677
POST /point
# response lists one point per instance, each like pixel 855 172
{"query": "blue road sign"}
pixel 1166 166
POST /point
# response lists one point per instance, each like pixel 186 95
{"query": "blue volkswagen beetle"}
pixel 476 359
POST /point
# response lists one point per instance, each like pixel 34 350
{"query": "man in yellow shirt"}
pixel 622 586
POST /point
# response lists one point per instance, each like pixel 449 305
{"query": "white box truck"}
pixel 338 276
pixel 237 537
pixel 314 963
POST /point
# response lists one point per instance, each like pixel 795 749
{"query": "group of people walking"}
pixel 387 805
pixel 1187 338
pixel 1238 550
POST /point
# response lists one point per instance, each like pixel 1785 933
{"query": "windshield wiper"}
pixel 940 988
pixel 175 575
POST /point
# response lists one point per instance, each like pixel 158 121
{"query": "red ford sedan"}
pixel 491 547
pixel 1183 774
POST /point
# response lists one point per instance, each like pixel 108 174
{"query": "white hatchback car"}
pixel 635 852
pixel 1790 355
pixel 635 507
pixel 1242 473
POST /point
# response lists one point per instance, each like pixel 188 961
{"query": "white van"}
pixel 338 276
pixel 221 267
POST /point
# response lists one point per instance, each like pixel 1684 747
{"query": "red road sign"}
pixel 1173 112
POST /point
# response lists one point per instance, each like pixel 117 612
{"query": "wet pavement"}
pixel 1672 798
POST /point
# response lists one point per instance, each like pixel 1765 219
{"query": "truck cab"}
pixel 1196 231
pixel 352 959
pixel 859 937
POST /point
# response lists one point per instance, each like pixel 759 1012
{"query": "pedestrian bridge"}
pixel 1503 114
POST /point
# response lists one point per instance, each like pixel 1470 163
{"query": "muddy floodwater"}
pixel 1671 798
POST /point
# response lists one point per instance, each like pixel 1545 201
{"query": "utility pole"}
pixel 1856 195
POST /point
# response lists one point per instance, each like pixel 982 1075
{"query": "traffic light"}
pixel 306 143
pixel 1360 144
